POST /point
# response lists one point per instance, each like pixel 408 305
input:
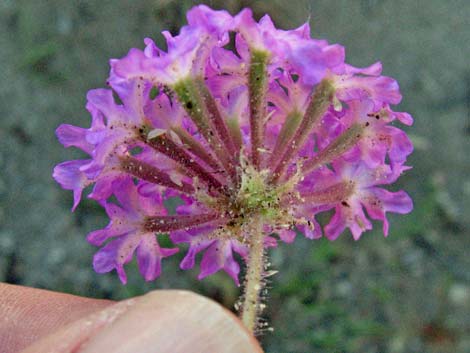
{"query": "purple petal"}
pixel 311 232
pixel 312 61
pixel 115 254
pixel 135 65
pixel 119 225
pixel 241 249
pixel 269 242
pixel 127 195
pixel 103 100
pixel 196 244
pixel 69 135
pixel 372 152
pixel 217 22
pixel 217 257
pixel 163 114
pixel 401 145
pixel 379 89
pixel 248 29
pixel 372 70
pixel 287 235
pixel 382 201
pixel 151 49
pixel 358 222
pixel 404 118
pixel 351 216
pixel 134 94
pixel 99 236
pixel 70 177
pixel 106 184
pixel 303 31
pixel 336 225
pixel 150 255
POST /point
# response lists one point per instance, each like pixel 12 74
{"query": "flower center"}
pixel 256 196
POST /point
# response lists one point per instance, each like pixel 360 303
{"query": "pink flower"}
pixel 365 193
pixel 129 232
pixel 275 131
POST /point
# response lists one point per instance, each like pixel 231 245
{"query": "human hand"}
pixel 40 321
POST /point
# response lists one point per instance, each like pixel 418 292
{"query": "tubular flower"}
pixel 257 130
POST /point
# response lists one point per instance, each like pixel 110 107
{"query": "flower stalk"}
pixel 319 103
pixel 151 174
pixel 257 82
pixel 196 148
pixel 285 135
pixel 254 282
pixel 340 145
pixel 162 224
pixel 166 146
pixel 202 108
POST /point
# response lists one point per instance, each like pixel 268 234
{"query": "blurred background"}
pixel 407 293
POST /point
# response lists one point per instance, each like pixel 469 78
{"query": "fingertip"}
pixel 174 321
pixel 29 314
pixel 71 337
pixel 160 321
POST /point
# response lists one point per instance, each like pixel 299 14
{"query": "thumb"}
pixel 161 321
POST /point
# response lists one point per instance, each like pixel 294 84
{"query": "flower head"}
pixel 272 129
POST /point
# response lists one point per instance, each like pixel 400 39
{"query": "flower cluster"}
pixel 254 128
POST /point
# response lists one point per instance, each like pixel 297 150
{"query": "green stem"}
pixel 166 146
pixel 319 104
pixel 196 148
pixel 254 278
pixel 198 102
pixel 288 130
pixel 257 84
pixel 337 147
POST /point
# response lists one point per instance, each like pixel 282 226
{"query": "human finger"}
pixel 160 321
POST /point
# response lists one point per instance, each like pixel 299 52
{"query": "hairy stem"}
pixel 214 115
pixel 257 84
pixel 162 224
pixel 319 103
pixel 254 278
pixel 196 99
pixel 196 148
pixel 337 147
pixel 147 172
pixel 288 130
pixel 330 195
pixel 172 150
